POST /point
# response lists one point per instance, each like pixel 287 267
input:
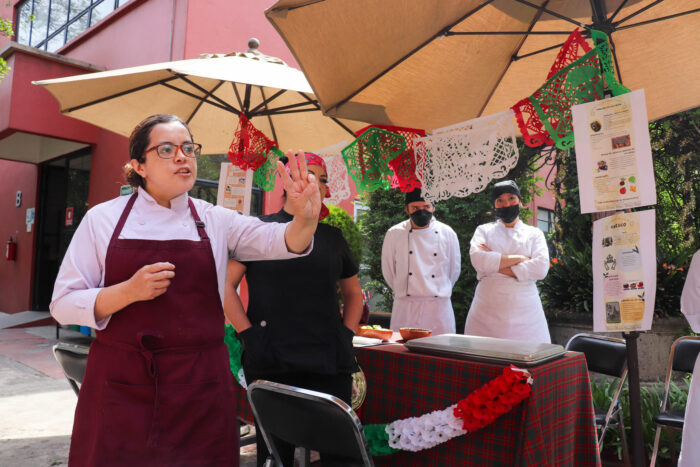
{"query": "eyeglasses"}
pixel 169 150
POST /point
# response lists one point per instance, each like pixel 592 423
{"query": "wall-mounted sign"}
pixel 29 219
pixel 235 188
pixel 69 216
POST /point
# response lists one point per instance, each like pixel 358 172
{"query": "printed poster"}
pixel 624 272
pixel 235 188
pixel 613 153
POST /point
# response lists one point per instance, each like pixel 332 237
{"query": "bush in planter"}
pixel 569 284
pixel 603 391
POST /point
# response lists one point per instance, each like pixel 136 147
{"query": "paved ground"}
pixel 37 403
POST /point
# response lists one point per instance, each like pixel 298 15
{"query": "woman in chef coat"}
pixel 147 272
pixel 509 256
pixel 690 306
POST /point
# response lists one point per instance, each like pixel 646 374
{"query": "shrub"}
pixel 337 217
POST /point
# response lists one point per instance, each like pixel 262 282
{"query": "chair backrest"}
pixel 685 351
pixel 73 361
pixel 308 419
pixel 606 355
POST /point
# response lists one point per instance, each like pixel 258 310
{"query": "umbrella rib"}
pixel 199 105
pixel 641 10
pixel 515 58
pixel 246 100
pixel 619 8
pixel 315 103
pixel 405 57
pixel 201 89
pixel 655 20
pixel 199 98
pixel 282 112
pixel 614 54
pixel 535 19
pixel 274 110
pixel 511 33
pixel 265 100
pixel 553 13
pixel 119 94
pixel 269 118
pixel 238 96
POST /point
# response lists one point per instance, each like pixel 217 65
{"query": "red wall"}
pixel 108 157
pixel 16 276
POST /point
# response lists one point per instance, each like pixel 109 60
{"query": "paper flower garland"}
pixel 338 180
pixel 367 156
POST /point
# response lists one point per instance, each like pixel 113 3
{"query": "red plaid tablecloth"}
pixel 553 427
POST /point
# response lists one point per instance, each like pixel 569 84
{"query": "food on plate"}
pixel 414 333
pixel 375 331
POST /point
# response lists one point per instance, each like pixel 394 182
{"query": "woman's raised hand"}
pixel 302 190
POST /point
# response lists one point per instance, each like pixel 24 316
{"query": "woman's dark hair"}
pixel 138 143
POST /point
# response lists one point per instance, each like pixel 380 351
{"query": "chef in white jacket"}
pixel 509 256
pixel 421 263
pixel 690 306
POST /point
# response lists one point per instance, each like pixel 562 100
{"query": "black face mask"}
pixel 508 214
pixel 421 218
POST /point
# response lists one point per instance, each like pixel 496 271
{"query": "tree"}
pixel 5 30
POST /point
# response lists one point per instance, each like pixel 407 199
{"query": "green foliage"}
pixel 569 283
pixel 337 217
pixel 676 159
pixel 651 396
pixel 5 30
pixel 464 215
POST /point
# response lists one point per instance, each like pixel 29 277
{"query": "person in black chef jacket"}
pixel 293 332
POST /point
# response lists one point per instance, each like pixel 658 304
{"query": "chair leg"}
pixel 623 440
pixel 655 451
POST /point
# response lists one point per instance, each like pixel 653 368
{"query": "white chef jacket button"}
pixel 410 273
pixel 436 231
pixel 408 294
pixel 434 254
pixel 410 252
pixel 433 275
pixel 263 323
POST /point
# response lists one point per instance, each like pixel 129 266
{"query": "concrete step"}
pixel 8 320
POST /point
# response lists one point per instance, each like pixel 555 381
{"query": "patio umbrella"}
pixel 209 93
pixel 431 63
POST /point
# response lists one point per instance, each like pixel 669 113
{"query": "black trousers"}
pixel 339 385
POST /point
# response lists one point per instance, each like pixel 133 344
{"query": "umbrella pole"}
pixel 638 454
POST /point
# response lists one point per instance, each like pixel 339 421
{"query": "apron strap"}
pixel 200 225
pixel 122 219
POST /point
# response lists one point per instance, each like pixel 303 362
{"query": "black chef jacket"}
pixel 293 309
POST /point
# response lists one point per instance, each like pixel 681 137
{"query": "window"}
pixel 49 24
pixel 545 220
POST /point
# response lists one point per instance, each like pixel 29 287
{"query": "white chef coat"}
pixel 421 266
pixel 503 306
pixel 690 306
pixel 82 272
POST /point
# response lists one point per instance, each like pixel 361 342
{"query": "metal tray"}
pixel 486 349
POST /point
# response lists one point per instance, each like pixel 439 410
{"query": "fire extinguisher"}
pixel 11 250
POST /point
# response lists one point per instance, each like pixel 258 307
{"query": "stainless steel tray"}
pixel 487 349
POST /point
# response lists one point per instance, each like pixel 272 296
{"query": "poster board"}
pixel 235 188
pixel 613 153
pixel 624 271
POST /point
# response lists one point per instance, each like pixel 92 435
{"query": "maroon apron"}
pixel 158 386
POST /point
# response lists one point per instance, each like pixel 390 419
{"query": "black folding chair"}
pixel 607 356
pixel 73 359
pixel 308 419
pixel 684 352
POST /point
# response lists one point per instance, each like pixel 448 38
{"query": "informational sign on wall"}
pixel 624 271
pixel 613 153
pixel 235 188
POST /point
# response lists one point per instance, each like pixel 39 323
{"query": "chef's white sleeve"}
pixel 79 280
pixel 250 239
pixel 537 266
pixel 485 262
pixel 389 260
pixel 455 258
pixel 690 298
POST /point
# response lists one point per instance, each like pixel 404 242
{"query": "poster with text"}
pixel 613 153
pixel 235 188
pixel 624 271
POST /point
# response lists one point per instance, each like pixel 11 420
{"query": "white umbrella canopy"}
pixel 431 63
pixel 209 93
